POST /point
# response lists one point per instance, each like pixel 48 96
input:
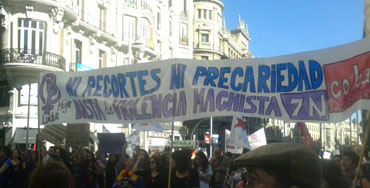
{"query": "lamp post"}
pixel 19 88
pixel 28 113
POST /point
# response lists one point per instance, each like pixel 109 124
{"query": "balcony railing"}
pixel 130 3
pixel 184 14
pixel 14 55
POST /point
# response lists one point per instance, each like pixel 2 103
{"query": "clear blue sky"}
pixel 279 27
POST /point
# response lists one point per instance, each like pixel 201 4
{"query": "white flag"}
pixel 238 136
pixel 257 139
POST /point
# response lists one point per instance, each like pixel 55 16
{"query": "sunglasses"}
pixel 152 162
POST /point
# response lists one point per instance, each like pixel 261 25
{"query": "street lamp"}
pixel 19 88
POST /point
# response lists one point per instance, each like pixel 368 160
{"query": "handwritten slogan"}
pixel 320 86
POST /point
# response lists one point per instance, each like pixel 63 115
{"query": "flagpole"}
pixel 364 145
pixel 350 131
pixel 320 137
pixel 211 141
pixel 357 126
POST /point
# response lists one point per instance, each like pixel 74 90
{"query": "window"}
pixel 102 59
pixel 169 3
pixel 129 29
pixel 170 27
pixel 77 51
pixel 131 3
pixel 158 20
pixel 205 38
pixel 80 4
pixel 205 13
pixel 204 57
pixel 102 18
pixel 183 34
pixel 199 14
pixel 144 4
pixel 210 14
pixel 184 6
pixel 31 36
pixel 145 33
pixel 23 95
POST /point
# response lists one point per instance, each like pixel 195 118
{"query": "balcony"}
pixel 130 3
pixel 69 7
pixel 22 56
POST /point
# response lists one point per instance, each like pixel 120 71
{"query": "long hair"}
pixel 52 174
pixel 332 174
pixel 183 162
pixel 144 164
pixel 6 150
pixel 203 161
pixel 157 161
pixel 19 154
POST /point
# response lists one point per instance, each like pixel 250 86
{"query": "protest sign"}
pixel 304 87
pixel 54 133
pixel 111 142
pixel 78 135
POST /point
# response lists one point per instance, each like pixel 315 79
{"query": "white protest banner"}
pixel 257 139
pixel 319 86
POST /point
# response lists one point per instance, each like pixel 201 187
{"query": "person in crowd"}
pixel 204 169
pixel 337 159
pixel 332 176
pixel 156 177
pixel 102 162
pixel 50 153
pixel 127 178
pixel 234 172
pixel 6 166
pixel 27 169
pixel 348 166
pixel 34 160
pixel 121 161
pixel 62 155
pixel 183 176
pixel 93 169
pixel 52 174
pixel 281 165
pixel 243 180
pixel 110 170
pixel 136 151
pixel 220 165
pixel 79 168
pixel 15 179
pixel 141 166
pixel 165 159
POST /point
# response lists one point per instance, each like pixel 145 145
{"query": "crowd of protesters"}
pixel 82 168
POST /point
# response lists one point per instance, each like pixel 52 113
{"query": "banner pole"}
pixel 211 141
pixel 169 166
pixel 364 145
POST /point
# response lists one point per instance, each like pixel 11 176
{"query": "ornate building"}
pixel 211 39
pixel 77 35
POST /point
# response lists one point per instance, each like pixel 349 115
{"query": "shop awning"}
pixel 21 134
